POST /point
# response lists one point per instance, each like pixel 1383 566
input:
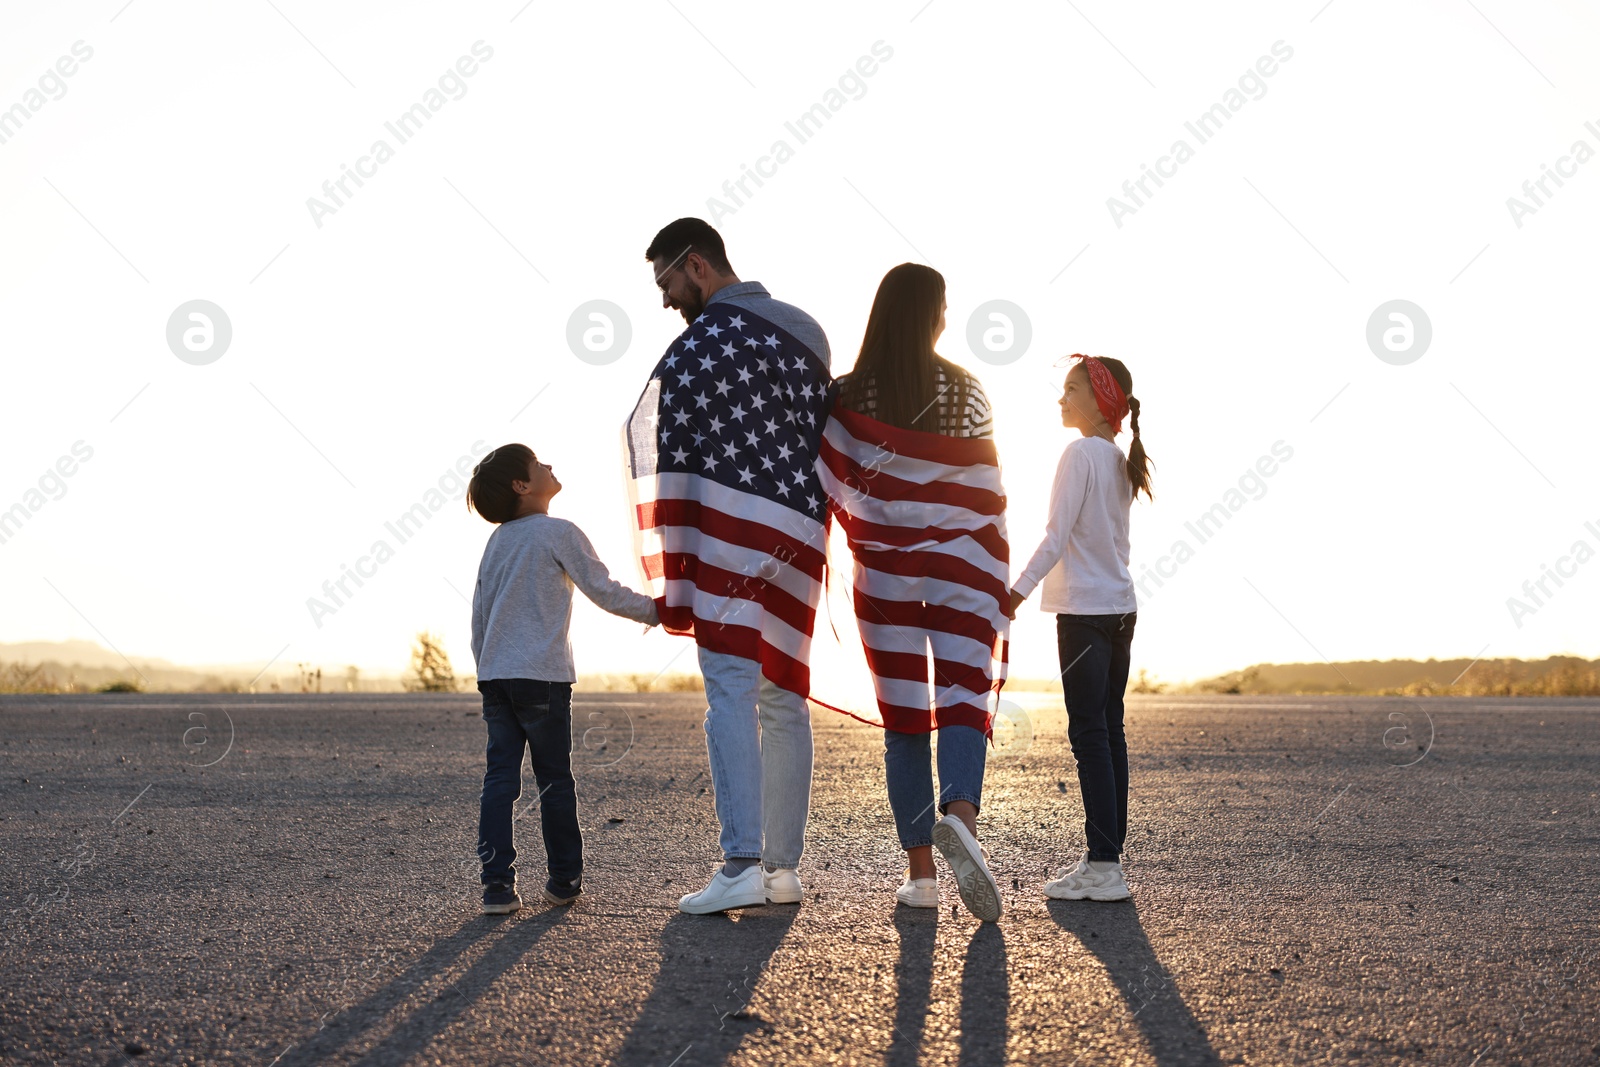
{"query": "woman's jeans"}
pixel 1095 650
pixel 907 767
pixel 524 713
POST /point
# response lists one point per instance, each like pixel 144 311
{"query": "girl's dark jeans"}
pixel 525 713
pixel 1094 651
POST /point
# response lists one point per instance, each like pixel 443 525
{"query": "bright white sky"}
pixel 432 307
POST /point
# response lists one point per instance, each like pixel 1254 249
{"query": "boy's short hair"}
pixel 490 493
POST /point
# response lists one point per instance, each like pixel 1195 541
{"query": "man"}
pixel 730 515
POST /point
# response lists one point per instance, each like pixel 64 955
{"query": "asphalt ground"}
pixel 291 880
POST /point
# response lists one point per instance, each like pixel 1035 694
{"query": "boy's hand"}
pixel 1016 602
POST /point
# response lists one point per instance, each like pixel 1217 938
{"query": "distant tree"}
pixel 1145 684
pixel 352 679
pixel 430 667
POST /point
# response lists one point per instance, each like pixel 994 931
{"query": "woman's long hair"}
pixel 897 358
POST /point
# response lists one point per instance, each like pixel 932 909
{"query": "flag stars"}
pixel 690 343
pixel 701 400
pixel 728 349
pixel 723 387
pixel 739 413
pixel 744 375
pixel 771 341
pixel 714 330
pixel 680 455
pixel 705 362
pixel 716 424
pixel 746 476
pixel 737 322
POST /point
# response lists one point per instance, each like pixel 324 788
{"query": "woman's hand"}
pixel 1016 602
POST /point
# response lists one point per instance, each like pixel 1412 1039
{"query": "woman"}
pixel 912 398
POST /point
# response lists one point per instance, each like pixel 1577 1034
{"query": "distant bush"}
pixel 121 685
pixel 430 667
pixel 1556 676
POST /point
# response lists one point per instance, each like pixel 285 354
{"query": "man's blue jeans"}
pixel 909 775
pixel 522 713
pixel 759 739
pixel 1095 650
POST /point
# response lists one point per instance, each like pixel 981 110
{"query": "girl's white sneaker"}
pixel 918 892
pixel 1083 882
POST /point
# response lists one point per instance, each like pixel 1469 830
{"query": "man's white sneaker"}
pixel 1083 882
pixel 741 891
pixel 918 892
pixel 783 885
pixel 978 889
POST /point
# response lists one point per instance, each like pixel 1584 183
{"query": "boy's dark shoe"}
pixel 500 898
pixel 563 893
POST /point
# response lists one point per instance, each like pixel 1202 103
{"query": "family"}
pixel 758 721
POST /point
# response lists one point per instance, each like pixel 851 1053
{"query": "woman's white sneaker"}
pixel 744 890
pixel 978 889
pixel 918 892
pixel 1084 882
pixel 783 885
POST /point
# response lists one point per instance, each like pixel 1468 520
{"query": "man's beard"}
pixel 694 304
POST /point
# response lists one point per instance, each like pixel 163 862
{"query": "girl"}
pixel 913 397
pixel 1083 561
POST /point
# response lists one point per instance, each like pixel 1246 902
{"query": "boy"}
pixel 521 610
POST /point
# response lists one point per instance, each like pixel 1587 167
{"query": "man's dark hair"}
pixel 682 236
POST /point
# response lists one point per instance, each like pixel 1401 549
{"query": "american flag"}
pixel 924 517
pixel 729 517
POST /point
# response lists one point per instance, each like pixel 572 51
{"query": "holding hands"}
pixel 1016 602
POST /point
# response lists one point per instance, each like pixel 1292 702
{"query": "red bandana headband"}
pixel 1112 401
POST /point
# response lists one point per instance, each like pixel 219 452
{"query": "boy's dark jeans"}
pixel 525 713
pixel 1095 650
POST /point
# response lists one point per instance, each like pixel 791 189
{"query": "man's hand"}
pixel 1016 602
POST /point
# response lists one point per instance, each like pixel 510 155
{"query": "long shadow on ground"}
pixel 1115 935
pixel 416 1030
pixel 699 1008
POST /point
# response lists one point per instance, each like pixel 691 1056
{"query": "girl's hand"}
pixel 1016 602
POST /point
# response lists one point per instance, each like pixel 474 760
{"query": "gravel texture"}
pixel 291 880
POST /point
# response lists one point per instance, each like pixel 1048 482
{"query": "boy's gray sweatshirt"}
pixel 522 606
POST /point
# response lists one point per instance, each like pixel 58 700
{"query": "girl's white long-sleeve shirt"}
pixel 1083 559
